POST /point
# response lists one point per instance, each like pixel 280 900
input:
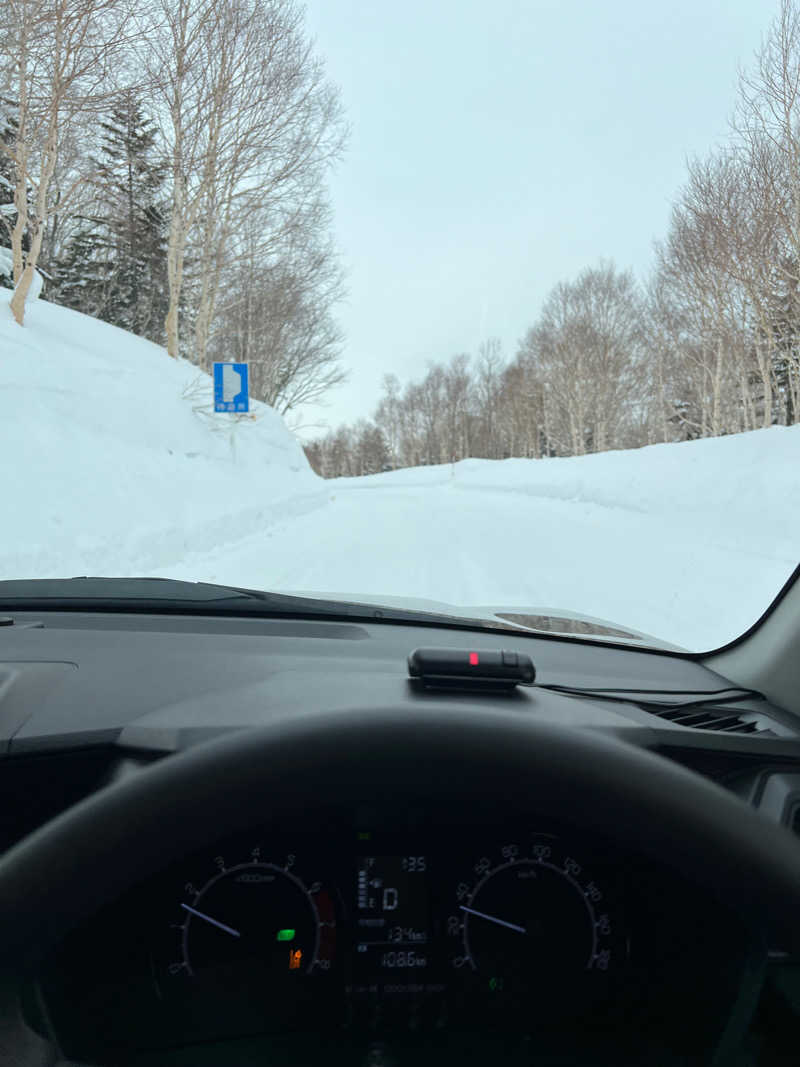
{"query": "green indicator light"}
pixel 495 984
pixel 285 935
pixel 364 835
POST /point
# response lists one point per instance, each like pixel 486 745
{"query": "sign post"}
pixel 231 387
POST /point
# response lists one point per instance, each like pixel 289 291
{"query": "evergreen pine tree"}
pixel 82 276
pixel 115 266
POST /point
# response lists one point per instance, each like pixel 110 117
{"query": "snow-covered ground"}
pixel 108 469
pixel 105 466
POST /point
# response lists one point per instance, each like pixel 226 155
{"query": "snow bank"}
pixel 107 468
pixel 688 542
pixel 739 491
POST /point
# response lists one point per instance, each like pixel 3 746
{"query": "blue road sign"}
pixel 230 387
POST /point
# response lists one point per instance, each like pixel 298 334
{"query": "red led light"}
pixel 473 659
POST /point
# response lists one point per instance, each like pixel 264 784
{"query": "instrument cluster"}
pixel 515 916
pixel 363 929
pixel 380 928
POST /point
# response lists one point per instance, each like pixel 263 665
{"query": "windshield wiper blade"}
pixel 23 592
pixel 173 596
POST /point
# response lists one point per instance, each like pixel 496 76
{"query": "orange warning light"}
pixel 295 958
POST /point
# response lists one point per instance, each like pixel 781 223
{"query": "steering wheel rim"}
pixel 117 837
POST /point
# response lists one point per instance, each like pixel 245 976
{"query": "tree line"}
pixel 708 344
pixel 163 165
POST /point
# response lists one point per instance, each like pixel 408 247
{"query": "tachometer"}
pixel 530 916
pixel 256 919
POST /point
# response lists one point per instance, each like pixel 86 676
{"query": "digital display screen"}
pixel 392 920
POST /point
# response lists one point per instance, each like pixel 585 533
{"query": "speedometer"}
pixel 530 914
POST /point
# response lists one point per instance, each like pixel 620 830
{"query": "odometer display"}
pixel 391 915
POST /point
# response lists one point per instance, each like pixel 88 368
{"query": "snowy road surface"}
pixel 468 546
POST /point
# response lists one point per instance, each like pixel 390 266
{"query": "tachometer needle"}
pixel 214 922
pixel 492 919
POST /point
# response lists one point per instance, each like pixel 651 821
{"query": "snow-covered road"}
pixel 471 546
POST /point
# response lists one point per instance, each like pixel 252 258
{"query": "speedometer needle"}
pixel 214 922
pixel 492 919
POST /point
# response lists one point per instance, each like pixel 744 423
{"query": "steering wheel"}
pixel 503 759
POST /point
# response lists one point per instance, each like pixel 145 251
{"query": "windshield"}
pixel 491 312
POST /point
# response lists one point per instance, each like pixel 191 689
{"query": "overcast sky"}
pixel 499 147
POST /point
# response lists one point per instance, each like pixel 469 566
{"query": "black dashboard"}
pixel 345 930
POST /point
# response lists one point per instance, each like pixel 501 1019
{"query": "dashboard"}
pixel 366 921
pixel 400 925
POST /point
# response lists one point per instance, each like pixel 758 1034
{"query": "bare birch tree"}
pixel 274 124
pixel 767 126
pixel 250 122
pixel 587 350
pixel 277 312
pixel 57 58
pixel 176 39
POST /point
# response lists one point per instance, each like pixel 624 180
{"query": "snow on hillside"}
pixel 106 467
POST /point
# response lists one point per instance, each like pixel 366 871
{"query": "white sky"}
pixel 498 147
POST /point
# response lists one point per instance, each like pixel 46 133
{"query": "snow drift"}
pixel 741 491
pixel 111 460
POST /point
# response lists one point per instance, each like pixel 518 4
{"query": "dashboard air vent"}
pixel 718 719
